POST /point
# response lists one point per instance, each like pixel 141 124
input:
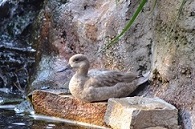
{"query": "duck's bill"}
pixel 68 67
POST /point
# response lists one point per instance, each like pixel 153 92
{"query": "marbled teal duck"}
pixel 102 85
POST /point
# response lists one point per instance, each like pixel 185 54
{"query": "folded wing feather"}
pixel 110 78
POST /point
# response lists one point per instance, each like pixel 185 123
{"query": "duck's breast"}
pixel 76 86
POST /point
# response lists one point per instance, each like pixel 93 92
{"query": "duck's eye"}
pixel 76 59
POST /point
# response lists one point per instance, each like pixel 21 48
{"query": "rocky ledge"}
pixel 124 113
pixel 69 108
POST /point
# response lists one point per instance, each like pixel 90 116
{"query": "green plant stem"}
pixel 153 7
pixel 128 25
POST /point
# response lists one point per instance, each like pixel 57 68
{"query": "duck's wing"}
pixel 97 72
pixel 110 78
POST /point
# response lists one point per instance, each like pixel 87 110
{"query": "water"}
pixel 16 53
pixel 9 119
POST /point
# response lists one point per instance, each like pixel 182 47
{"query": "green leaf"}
pixel 128 25
pixel 153 7
pixel 177 18
pixel 180 8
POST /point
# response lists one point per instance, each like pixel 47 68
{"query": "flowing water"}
pixel 16 53
pixel 11 120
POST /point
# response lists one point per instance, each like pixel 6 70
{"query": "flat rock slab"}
pixel 69 108
pixel 141 113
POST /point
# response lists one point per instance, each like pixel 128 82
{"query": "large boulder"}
pixel 66 28
pixel 140 113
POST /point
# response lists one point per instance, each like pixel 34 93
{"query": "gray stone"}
pixel 140 113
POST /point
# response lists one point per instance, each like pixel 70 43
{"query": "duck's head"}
pixel 78 61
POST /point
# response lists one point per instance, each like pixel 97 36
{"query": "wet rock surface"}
pixel 16 53
pixel 16 60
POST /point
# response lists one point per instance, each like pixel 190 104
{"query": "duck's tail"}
pixel 144 78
